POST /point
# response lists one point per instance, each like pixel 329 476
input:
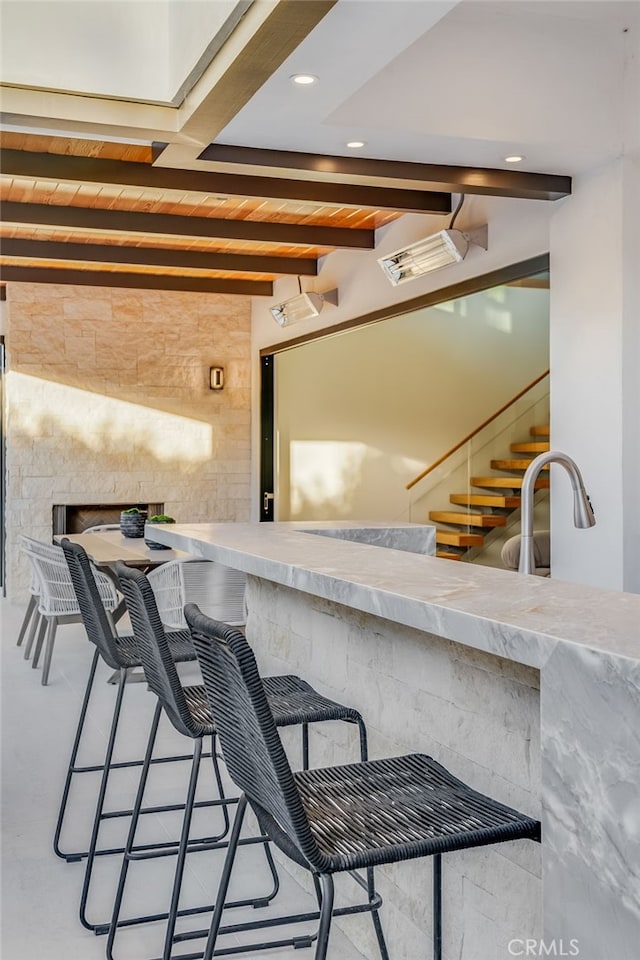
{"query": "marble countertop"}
pixel 518 617
pixel 586 644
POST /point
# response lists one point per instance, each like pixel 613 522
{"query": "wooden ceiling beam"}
pixel 68 169
pixel 141 281
pixel 157 257
pixel 129 221
pixel 438 177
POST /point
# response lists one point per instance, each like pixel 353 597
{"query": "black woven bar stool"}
pixel 121 654
pixel 292 702
pixel 335 819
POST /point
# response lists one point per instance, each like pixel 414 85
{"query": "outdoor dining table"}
pixel 106 547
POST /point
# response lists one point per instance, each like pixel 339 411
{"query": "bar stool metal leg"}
pixel 223 887
pixel 100 803
pixel 71 769
pixel 437 906
pixel 182 849
pixel 144 773
pixel 375 915
pixel 364 746
pixel 326 913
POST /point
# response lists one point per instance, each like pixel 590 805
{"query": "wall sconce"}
pixel 216 378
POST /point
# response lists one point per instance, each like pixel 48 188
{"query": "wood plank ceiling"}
pixel 104 213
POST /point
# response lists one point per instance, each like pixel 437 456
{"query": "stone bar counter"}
pixel 527 688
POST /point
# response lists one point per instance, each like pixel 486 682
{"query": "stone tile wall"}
pixel 108 401
pixel 477 714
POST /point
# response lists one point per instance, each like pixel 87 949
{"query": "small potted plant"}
pixel 158 518
pixel 132 522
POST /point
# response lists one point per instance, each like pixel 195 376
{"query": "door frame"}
pixel 267 438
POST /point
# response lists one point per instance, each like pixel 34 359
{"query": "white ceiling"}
pixel 432 81
pixel 148 50
pixel 465 83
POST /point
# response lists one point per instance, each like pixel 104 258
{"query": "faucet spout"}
pixel 583 516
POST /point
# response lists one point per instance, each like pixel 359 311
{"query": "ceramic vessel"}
pixel 132 524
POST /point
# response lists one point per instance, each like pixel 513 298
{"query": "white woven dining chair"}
pixel 57 602
pixel 215 588
pixel 31 618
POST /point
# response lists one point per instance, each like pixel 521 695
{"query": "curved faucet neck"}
pixel 582 512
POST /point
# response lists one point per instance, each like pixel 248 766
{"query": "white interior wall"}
pixel 595 354
pixel 360 414
pixel 518 230
pixel 594 341
pixel 595 350
pixel 631 315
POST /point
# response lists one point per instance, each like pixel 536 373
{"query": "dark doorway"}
pixel 267 478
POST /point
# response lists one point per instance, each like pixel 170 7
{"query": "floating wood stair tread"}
pixel 458 531
pixel 533 446
pixel 485 500
pixel 512 464
pixel 458 539
pixel 467 519
pixel 510 483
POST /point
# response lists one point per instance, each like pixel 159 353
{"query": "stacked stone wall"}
pixel 107 400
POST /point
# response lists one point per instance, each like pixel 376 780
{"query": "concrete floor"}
pixel 40 892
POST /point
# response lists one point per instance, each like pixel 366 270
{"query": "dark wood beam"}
pixel 157 257
pixel 67 169
pixel 141 281
pixel 250 66
pixel 451 179
pixel 128 221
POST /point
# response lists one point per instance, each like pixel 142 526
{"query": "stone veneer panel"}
pixel 476 713
pixel 107 400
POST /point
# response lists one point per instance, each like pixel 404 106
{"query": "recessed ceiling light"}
pixel 514 158
pixel 356 144
pixel 303 79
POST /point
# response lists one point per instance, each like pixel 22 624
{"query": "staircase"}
pixel 490 508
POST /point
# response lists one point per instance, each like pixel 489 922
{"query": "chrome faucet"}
pixel 582 512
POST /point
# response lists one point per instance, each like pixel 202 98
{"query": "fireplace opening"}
pixel 77 517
